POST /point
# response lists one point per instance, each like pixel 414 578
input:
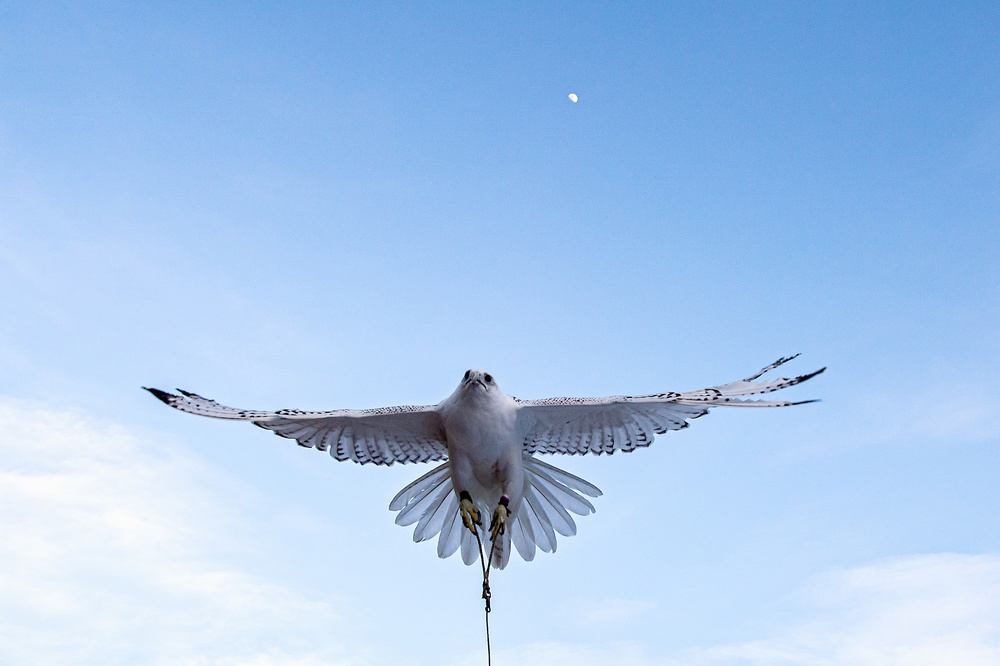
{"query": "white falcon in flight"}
pixel 488 441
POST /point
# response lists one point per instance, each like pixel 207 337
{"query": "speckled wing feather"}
pixel 622 423
pixel 380 436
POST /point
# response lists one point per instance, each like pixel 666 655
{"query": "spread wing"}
pixel 380 436
pixel 622 423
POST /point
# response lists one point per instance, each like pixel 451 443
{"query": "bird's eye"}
pixel 466 377
pixel 488 377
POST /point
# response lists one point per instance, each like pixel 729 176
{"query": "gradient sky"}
pixel 349 204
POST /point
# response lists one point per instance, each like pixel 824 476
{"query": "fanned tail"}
pixel 431 503
pixel 550 495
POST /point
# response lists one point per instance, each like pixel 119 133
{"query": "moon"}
pixel 574 98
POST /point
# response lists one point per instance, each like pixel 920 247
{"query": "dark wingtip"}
pixel 804 402
pixel 161 395
pixel 812 374
pixel 799 380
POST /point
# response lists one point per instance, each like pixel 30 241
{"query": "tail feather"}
pixel 501 554
pixel 420 486
pixel 535 511
pixel 521 539
pixel 548 497
pixel 563 493
pixel 470 549
pixel 524 519
pixel 451 536
pixel 563 477
pixel 429 495
pixel 443 504
pixel 557 514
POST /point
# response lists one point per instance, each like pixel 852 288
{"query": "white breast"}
pixel 484 444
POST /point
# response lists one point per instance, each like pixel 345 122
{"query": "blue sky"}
pixel 348 205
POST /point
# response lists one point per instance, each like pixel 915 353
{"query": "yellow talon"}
pixel 469 512
pixel 499 522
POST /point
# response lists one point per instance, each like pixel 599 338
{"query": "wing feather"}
pixel 380 436
pixel 579 426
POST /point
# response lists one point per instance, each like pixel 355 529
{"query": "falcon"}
pixel 487 443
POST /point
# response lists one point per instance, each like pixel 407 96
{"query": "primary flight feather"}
pixel 487 441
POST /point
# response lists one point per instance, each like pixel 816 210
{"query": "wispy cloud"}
pixel 946 413
pixel 109 555
pixel 975 417
pixel 615 610
pixel 914 611
pixel 928 609
pixel 115 550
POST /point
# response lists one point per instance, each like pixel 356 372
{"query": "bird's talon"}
pixel 469 512
pixel 499 523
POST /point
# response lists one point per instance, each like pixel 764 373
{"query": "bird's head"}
pixel 478 380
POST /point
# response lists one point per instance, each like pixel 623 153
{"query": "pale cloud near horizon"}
pixel 927 609
pixel 112 553
pixel 607 611
pixel 922 610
